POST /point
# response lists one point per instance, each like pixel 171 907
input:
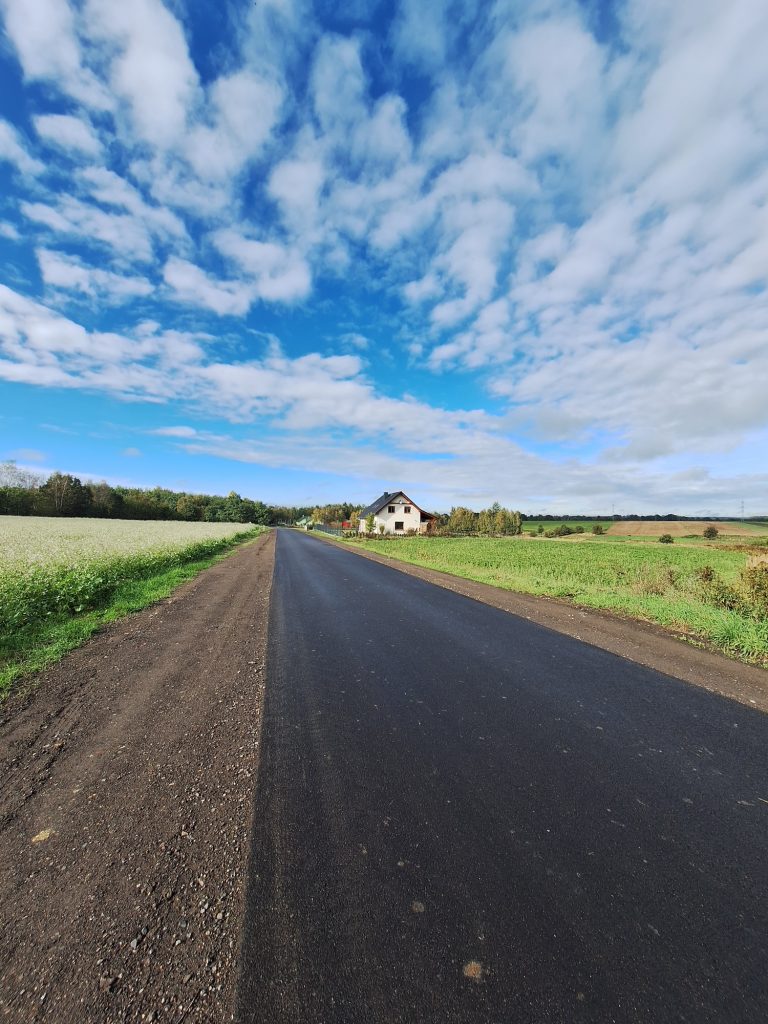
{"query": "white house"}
pixel 397 514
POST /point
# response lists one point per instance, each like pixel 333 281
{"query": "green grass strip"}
pixel 41 644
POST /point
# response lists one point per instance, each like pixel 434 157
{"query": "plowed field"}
pixel 683 529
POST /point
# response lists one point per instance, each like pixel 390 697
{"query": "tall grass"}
pixel 680 588
pixel 65 570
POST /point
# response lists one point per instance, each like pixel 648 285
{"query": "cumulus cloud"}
pixel 68 133
pixel 190 284
pixel 64 272
pixel 276 273
pixel 150 70
pixel 13 150
pixel 45 37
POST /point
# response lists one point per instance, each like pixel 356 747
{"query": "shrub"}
pixel 666 538
pixel 717 592
pixel 711 532
pixel 598 530
pixel 705 574
pixel 755 583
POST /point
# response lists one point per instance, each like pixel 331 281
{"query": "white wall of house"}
pixel 411 520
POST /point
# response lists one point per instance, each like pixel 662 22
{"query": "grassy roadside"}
pixel 699 592
pixel 44 642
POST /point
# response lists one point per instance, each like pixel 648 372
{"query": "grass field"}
pixel 682 588
pixel 62 578
pixel 532 525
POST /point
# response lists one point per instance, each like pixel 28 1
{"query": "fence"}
pixel 335 531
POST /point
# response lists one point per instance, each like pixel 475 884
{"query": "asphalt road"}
pixel 465 817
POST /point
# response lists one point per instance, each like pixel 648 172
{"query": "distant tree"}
pixel 12 475
pixel 64 495
pixel 462 520
pixel 598 530
pixel 711 532
pixel 507 523
pixel 485 522
pixel 105 502
pixel 255 512
pixel 17 501
pixel 666 538
pixel 191 507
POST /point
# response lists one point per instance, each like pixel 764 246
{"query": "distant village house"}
pixel 397 514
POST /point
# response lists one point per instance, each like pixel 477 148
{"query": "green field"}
pixel 668 585
pixel 531 525
pixel 60 579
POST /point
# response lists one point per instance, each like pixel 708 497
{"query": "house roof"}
pixel 385 499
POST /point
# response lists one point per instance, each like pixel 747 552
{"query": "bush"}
pixel 706 574
pixel 755 583
pixel 598 530
pixel 711 532
pixel 666 538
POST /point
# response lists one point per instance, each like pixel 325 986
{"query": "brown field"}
pixel 684 529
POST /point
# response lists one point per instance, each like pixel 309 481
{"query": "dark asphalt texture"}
pixel 465 817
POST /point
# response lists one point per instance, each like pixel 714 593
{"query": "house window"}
pixel 391 508
pixel 407 509
pixel 399 526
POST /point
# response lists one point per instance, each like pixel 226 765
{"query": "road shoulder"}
pixel 125 813
pixel 636 641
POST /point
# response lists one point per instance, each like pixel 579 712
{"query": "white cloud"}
pixel 191 285
pixel 15 152
pixel 65 272
pixel 112 190
pixel 175 431
pixel 69 133
pixel 295 185
pixel 151 69
pixel 244 111
pixel 45 38
pixel 127 236
pixel 556 68
pixel 276 273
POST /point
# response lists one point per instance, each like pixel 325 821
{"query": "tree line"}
pixel 25 493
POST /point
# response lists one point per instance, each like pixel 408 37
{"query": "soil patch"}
pixel 125 810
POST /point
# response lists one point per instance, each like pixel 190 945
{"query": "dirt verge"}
pixel 127 779
pixel 641 642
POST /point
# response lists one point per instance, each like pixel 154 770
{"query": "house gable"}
pixel 398 520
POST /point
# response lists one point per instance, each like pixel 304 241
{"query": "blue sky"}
pixel 505 250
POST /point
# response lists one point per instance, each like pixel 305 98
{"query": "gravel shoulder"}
pixel 640 642
pixel 125 810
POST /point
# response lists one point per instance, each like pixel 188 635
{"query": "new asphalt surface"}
pixel 465 817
